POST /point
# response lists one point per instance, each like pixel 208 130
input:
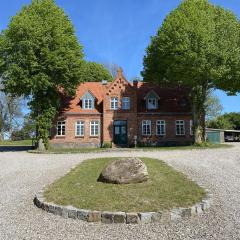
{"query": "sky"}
pixel 118 31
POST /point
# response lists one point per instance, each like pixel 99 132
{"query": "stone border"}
pixel 167 216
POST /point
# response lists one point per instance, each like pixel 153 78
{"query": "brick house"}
pixel 121 112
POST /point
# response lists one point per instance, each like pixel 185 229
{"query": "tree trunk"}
pixel 197 125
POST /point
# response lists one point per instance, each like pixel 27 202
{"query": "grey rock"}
pixel 124 171
pixel 107 217
pixel 83 214
pixel 119 217
pixel 157 217
pixel 94 216
pixel 72 212
pixel 176 214
pixel 145 217
pixel 132 218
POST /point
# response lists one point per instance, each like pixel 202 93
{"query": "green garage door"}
pixel 213 137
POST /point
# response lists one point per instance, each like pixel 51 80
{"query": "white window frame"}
pixel 126 103
pixel 145 125
pixel 160 124
pixel 180 125
pixel 79 128
pixel 150 105
pixel 88 103
pixel 95 124
pixel 191 130
pixel 62 126
pixel 114 103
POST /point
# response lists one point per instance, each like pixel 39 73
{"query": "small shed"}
pixel 215 135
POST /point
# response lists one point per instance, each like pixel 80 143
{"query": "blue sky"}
pixel 114 31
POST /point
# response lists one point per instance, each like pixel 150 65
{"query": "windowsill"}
pixel 79 136
pixel 94 136
pixel 161 135
pixel 60 136
pixel 182 135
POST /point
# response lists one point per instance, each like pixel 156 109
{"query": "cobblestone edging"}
pixel 123 217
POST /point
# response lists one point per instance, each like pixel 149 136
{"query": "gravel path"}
pixel 23 174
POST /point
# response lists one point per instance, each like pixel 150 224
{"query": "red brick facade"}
pixel 142 112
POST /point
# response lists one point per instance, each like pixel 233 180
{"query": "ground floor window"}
pixel 80 128
pixel 61 128
pixel 94 128
pixel 146 127
pixel 160 127
pixel 180 127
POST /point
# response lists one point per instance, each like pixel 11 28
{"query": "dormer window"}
pixel 88 100
pixel 88 104
pixel 152 103
pixel 152 99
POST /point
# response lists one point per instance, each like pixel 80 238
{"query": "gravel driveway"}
pixel 23 174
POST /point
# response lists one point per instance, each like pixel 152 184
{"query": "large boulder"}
pixel 124 171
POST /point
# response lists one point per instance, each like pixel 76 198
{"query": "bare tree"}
pixel 112 68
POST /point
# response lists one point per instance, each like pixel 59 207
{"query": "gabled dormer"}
pixel 151 100
pixel 88 100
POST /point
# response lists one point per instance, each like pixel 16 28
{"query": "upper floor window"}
pixel 79 128
pixel 180 127
pixel 114 103
pixel 146 127
pixel 126 103
pixel 94 128
pixel 88 104
pixel 160 127
pixel 152 103
pixel 61 128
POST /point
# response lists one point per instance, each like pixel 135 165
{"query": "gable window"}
pixel 146 127
pixel 152 103
pixel 79 128
pixel 114 103
pixel 88 103
pixel 61 128
pixel 180 127
pixel 191 127
pixel 94 128
pixel 160 127
pixel 126 103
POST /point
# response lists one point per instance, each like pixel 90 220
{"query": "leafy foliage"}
pixel 213 106
pixel 39 55
pixel 198 47
pixel 94 72
pixel 226 121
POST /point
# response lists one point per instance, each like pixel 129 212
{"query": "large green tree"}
pixel 94 72
pixel 39 55
pixel 198 47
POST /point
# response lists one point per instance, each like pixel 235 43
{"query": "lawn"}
pixel 166 188
pixel 92 150
pixel 16 143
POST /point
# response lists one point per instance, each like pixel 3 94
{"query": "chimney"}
pixel 119 73
pixel 135 82
pixel 104 82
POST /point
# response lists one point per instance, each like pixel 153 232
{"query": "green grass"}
pixel 92 150
pixel 16 143
pixel 166 188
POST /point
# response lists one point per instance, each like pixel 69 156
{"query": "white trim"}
pixel 161 123
pixel 146 123
pixel 181 123
pixel 88 103
pixel 80 124
pixel 94 124
pixel 62 125
pixel 114 103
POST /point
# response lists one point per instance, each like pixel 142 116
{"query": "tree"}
pixel 40 56
pixel 112 68
pixel 196 47
pixel 220 123
pixel 213 106
pixel 94 72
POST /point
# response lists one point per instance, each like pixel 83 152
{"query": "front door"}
pixel 120 132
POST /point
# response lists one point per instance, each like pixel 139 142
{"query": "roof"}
pixel 73 104
pixel 169 97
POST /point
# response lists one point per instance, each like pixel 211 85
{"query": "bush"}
pixel 107 145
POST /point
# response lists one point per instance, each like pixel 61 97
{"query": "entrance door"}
pixel 120 132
